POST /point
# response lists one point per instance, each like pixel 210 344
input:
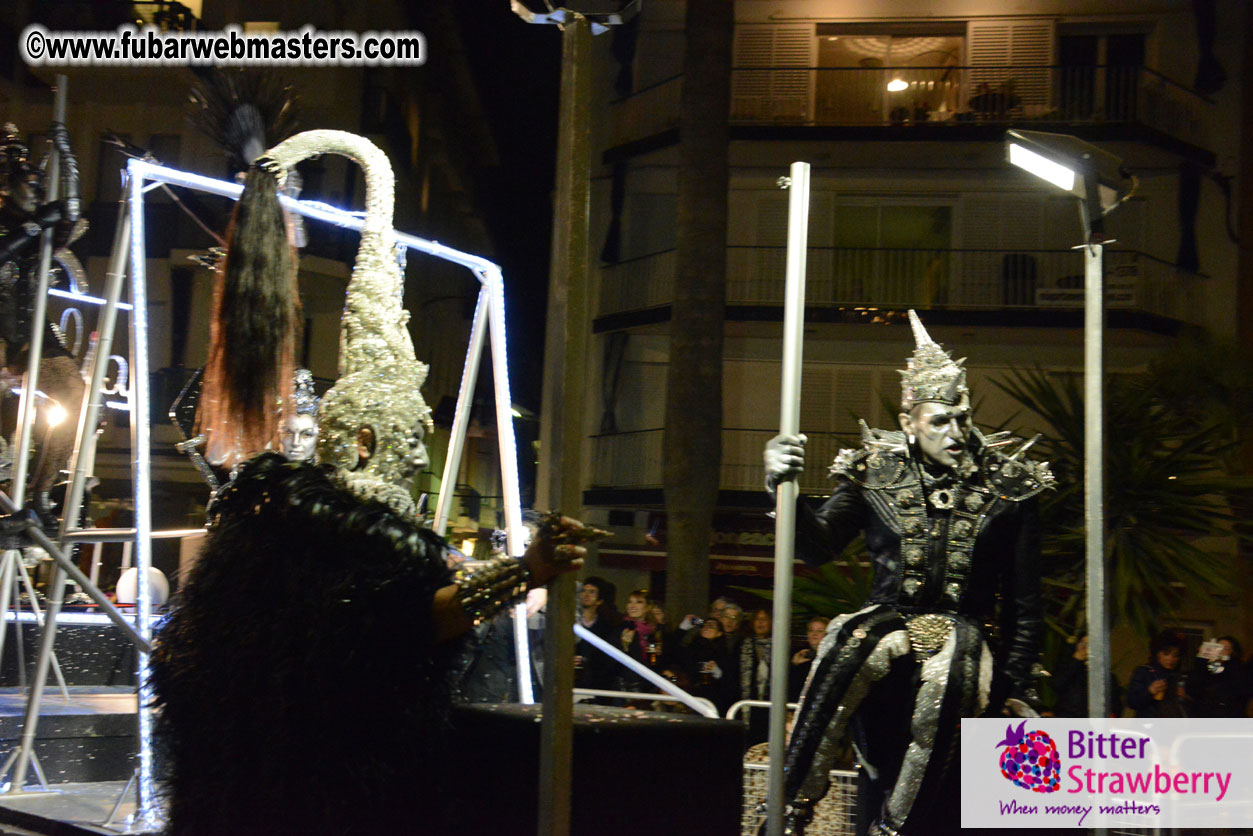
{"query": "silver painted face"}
pixel 299 437
pixel 943 431
pixel 416 459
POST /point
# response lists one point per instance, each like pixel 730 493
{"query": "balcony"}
pixel 1031 281
pixel 954 103
pixel 632 460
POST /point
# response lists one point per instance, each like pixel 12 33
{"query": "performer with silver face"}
pixel 953 622
pixel 330 692
pixel 298 435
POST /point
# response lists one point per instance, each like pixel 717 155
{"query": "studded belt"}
pixel 928 632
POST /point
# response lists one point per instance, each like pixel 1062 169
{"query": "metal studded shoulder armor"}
pixel 881 462
pixel 1010 475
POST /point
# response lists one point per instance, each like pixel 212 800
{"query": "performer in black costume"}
pixel 304 673
pixel 953 622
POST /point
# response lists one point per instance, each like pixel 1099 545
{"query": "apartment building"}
pixel 901 108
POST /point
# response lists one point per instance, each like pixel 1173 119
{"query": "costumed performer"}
pixel 298 436
pixel 953 622
pixel 303 674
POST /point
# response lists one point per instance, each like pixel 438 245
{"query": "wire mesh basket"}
pixel 834 815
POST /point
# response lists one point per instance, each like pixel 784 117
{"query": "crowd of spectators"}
pixel 725 657
pixel 1215 682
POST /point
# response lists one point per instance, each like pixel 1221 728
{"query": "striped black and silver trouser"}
pixel 856 654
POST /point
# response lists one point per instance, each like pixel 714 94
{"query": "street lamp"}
pixel 1096 177
pixel 1101 183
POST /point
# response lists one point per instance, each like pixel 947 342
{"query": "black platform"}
pixel 634 772
pixel 93 735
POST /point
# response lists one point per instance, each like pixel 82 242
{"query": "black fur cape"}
pixel 299 684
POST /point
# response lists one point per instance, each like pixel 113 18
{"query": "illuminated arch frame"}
pixel 489 319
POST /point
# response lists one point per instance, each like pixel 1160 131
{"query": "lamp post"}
pixel 1098 179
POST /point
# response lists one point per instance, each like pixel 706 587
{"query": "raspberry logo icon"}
pixel 1030 759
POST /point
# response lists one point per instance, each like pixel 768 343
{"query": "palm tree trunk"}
pixel 693 437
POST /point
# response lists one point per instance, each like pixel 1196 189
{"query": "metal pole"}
pixel 146 810
pixel 1094 477
pixel 30 383
pixel 88 417
pixel 511 492
pixel 21 450
pixel 461 420
pixel 787 492
pixel 7 562
pixel 559 473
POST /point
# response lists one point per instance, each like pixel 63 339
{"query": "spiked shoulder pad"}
pixel 879 463
pixel 1008 473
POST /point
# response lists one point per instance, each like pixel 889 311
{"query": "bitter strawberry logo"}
pixel 1030 759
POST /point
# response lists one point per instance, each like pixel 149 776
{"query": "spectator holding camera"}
pixel 803 659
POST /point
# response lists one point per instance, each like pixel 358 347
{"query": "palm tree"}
pixel 693 435
pixel 1167 486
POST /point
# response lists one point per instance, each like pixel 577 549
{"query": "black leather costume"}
pixel 932 644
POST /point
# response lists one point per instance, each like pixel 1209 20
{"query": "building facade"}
pixel 901 109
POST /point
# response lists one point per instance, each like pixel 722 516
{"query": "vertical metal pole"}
pixel 461 420
pixel 561 428
pixel 86 437
pixel 21 455
pixel 1094 477
pixel 26 406
pixel 510 489
pixel 146 810
pixel 7 562
pixel 787 493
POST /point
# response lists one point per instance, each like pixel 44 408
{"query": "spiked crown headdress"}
pixel 930 374
pixel 304 399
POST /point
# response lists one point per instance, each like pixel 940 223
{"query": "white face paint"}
pixel 942 430
pixel 299 437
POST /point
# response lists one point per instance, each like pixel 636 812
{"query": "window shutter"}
pixel 1012 56
pixel 771 93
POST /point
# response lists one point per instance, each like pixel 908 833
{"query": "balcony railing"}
pixel 633 459
pixel 941 96
pixel 957 95
pixel 925 278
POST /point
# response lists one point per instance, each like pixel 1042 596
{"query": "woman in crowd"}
pixel 1157 688
pixel 638 638
pixel 803 659
pixel 706 667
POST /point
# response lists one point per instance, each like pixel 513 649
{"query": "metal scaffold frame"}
pixel 129 244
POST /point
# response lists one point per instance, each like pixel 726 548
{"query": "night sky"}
pixel 516 67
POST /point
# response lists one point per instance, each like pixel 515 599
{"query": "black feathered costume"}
pixel 308 614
